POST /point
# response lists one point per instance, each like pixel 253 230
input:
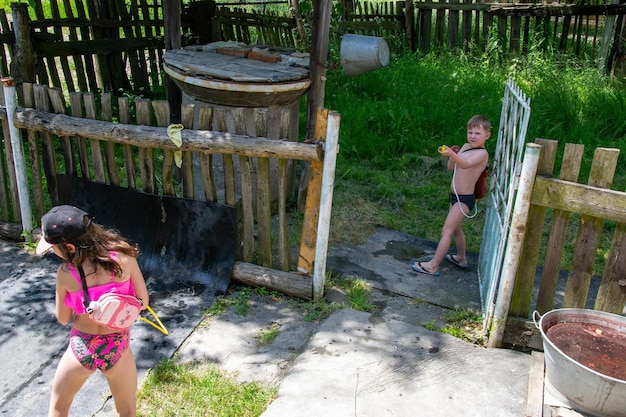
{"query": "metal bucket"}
pixel 587 390
pixel 360 54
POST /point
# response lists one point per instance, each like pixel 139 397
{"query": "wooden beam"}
pixel 580 198
pixel 317 68
pixel 325 204
pixel 288 283
pixel 514 244
pixel 156 137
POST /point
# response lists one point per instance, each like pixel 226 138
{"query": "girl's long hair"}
pixel 95 246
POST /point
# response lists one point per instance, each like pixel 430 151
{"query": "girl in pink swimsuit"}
pixel 109 262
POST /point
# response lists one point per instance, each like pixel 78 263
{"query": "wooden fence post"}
pixel 525 278
pixel 514 244
pixel 317 72
pixel 24 60
pixel 18 157
pixel 607 38
pixel 409 24
pixel 172 20
pixel 306 257
pixel 326 202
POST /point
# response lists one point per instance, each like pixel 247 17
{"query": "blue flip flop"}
pixel 420 269
pixel 450 258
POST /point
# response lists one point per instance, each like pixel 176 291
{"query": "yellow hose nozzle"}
pixel 442 148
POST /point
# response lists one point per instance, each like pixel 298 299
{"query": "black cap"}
pixel 62 224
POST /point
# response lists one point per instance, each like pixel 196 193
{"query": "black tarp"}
pixel 183 242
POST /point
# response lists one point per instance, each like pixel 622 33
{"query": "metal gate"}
pixel 505 171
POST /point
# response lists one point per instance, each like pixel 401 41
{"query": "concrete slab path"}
pixel 383 363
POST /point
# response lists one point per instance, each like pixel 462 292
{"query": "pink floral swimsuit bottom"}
pixel 99 351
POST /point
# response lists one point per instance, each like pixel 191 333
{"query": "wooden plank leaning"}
pixel 308 237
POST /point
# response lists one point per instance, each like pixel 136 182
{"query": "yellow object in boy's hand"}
pixel 442 148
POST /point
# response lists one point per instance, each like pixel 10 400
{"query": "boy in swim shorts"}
pixel 468 164
pixel 109 263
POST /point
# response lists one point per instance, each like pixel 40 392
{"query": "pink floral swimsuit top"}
pixel 74 299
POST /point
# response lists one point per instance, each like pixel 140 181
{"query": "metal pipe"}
pixel 21 174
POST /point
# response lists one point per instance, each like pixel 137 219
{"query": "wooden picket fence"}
pixel 427 25
pixel 252 27
pixel 595 203
pixel 85 46
pixel 138 154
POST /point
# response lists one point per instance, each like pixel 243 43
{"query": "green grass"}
pixel 389 174
pixel 463 324
pixel 266 336
pixel 393 120
pixel 199 390
pixel 466 325
pixel 388 171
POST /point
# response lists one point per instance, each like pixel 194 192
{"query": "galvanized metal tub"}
pixel 587 390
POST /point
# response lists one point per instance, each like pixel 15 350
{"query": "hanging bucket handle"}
pixel 535 319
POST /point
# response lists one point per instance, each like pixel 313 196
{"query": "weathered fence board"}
pixel 250 167
pixel 74 44
pixel 602 171
pixel 612 292
pixel 525 275
pixel 570 169
pixel 595 203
